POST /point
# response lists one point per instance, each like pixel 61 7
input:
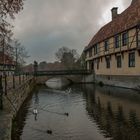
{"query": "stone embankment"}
pixel 15 91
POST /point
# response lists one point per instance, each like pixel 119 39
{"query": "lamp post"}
pixel 35 68
pixel 16 51
pixel 1 94
pixel 4 73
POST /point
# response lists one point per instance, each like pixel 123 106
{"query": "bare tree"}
pixel 10 7
pixel 81 63
pixel 5 39
pixel 67 57
pixel 19 54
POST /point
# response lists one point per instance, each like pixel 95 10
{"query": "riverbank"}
pixel 121 81
pixel 15 98
pixel 11 104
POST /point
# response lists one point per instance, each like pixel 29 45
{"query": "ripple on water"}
pixel 94 113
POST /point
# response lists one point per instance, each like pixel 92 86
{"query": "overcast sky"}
pixel 46 25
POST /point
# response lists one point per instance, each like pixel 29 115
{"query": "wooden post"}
pixel 5 80
pixel 19 79
pixel 23 77
pixel 35 68
pixel 13 81
pixel 26 75
pixel 1 94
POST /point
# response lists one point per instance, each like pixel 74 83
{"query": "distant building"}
pixel 28 68
pixel 6 64
pixel 114 51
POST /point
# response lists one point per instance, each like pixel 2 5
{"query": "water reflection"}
pixel 95 113
pixel 116 111
pixel 20 120
pixel 36 104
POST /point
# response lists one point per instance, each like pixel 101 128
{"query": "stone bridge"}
pixel 75 76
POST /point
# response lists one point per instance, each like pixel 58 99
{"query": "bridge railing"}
pixel 63 72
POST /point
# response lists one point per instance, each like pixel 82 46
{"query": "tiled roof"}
pixel 126 20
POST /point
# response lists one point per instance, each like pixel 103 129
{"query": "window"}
pixel 125 38
pixel 92 65
pixel 132 59
pixel 119 61
pixel 86 54
pixel 117 41
pixel 98 61
pixel 1 67
pixel 95 49
pixel 1 49
pixel 107 62
pixel 90 52
pixel 106 45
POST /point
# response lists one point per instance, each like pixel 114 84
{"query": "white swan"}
pixel 35 111
pixel 68 91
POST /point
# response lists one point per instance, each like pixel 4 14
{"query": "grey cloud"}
pixel 46 25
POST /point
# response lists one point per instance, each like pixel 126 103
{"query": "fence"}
pixel 12 82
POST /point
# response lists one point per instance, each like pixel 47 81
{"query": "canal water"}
pixel 80 112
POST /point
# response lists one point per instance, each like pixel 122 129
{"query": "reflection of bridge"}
pixel 62 72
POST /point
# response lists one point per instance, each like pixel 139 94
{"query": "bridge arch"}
pixel 75 76
pixel 71 78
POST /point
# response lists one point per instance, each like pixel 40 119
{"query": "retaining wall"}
pixel 11 104
pixel 125 81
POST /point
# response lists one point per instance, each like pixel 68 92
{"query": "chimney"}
pixel 114 12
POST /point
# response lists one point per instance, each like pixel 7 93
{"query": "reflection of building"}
pixel 114 52
pixel 117 117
